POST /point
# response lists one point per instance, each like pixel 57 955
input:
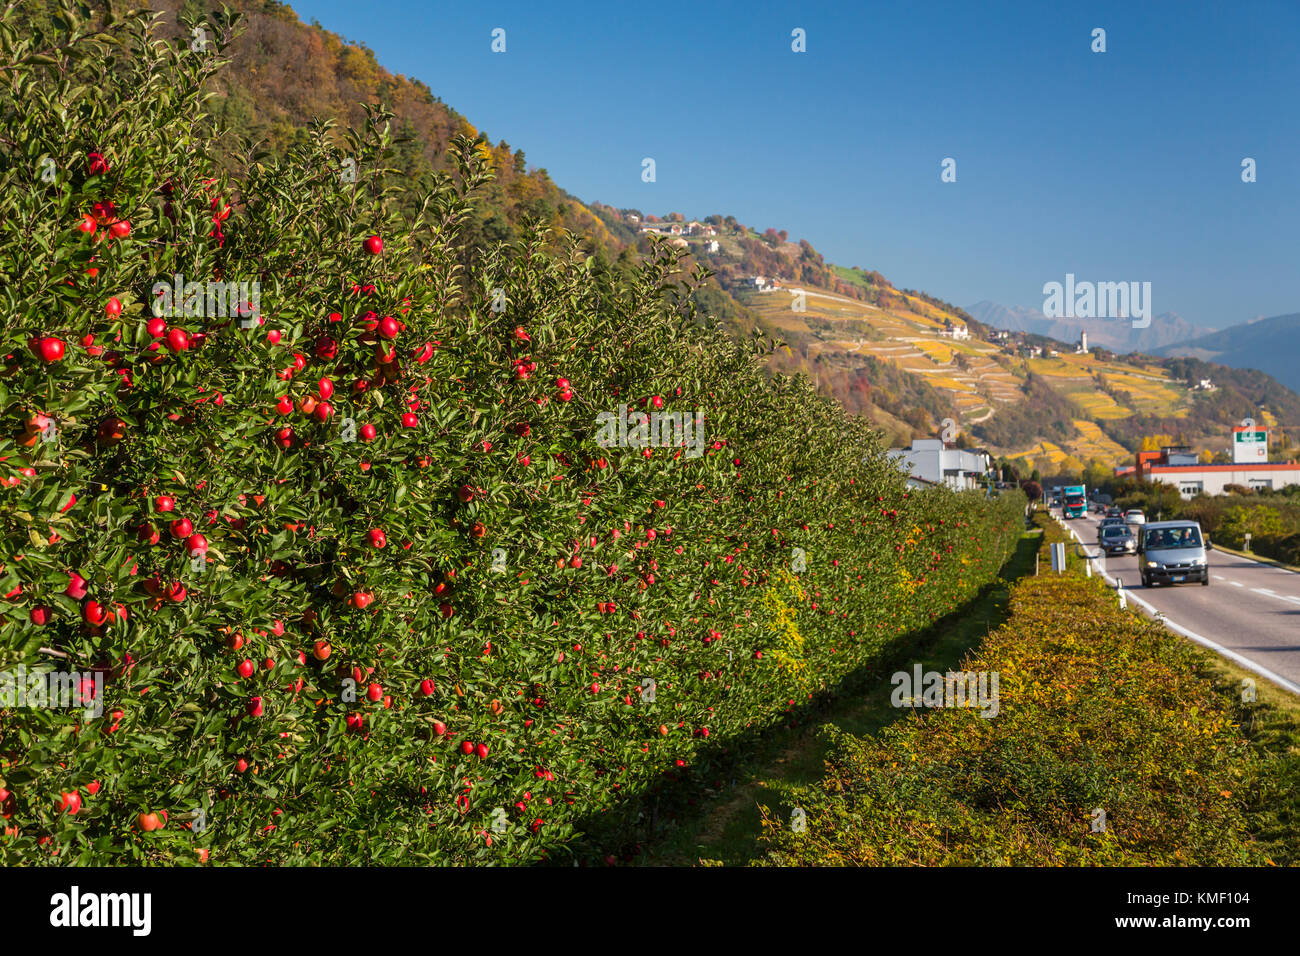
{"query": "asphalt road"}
pixel 1250 612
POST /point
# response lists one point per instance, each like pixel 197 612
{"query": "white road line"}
pixel 1272 594
pixel 1236 584
pixel 1263 564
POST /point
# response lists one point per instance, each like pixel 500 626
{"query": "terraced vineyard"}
pixel 977 377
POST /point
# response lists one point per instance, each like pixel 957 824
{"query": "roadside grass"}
pixel 1271 723
pixel 726 824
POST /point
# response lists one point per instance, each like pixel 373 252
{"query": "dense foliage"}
pixel 361 580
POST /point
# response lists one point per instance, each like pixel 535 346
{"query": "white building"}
pixel 712 246
pixel 931 460
pixel 1083 343
pixel 1250 467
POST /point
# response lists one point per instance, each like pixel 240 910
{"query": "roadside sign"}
pixel 1058 557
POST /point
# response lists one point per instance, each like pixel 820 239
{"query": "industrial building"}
pixel 1179 466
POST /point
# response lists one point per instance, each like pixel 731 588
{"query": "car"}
pixel 1109 523
pixel 1114 512
pixel 1117 539
pixel 1172 552
pixel 1135 516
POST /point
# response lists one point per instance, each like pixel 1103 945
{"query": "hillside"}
pixel 1271 345
pixel 894 356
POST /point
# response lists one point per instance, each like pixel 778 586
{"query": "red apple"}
pixel 70 802
pixel 51 349
pixel 95 613
pixel 374 245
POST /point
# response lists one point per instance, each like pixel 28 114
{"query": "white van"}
pixel 1172 552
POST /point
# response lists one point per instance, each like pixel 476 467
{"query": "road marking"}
pixel 1280 597
pixel 1241 659
pixel 1236 584
pixel 1263 564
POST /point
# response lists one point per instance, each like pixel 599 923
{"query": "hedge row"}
pixel 1101 711
pixel 361 579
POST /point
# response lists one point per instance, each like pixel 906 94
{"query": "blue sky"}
pixel 1115 166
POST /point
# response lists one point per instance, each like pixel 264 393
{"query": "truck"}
pixel 1074 500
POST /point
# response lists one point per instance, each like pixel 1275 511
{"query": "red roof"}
pixel 1241 466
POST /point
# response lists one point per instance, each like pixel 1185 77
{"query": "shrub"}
pixel 1099 709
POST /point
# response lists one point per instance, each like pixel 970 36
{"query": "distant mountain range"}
pixel 1271 345
pixel 1114 334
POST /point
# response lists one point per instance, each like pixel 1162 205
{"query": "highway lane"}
pixel 1249 608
